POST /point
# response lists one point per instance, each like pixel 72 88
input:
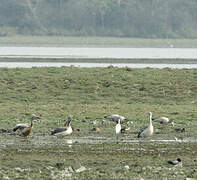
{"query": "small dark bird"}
pixel 124 129
pixel 177 162
pixel 180 130
pixel 96 129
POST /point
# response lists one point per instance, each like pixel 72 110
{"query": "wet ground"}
pixel 97 155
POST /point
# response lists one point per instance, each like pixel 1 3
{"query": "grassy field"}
pixel 95 41
pixel 88 94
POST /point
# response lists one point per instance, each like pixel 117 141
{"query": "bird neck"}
pixel 119 121
pixel 32 123
pixel 150 120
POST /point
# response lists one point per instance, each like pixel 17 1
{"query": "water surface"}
pixel 94 52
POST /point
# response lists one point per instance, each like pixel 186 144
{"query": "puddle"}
pixel 54 144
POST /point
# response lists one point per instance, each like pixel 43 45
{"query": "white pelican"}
pixel 177 162
pixel 163 120
pixel 148 130
pixel 25 129
pixel 116 117
pixel 63 131
pixel 118 127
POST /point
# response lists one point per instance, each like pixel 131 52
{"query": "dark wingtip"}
pixel 170 162
pixel 178 159
pixel 52 132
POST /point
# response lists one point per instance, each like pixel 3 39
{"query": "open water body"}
pixel 89 52
pixel 93 52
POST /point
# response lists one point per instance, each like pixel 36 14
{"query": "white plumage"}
pixel 163 120
pixel 148 130
pixel 116 117
pixel 63 131
pixel 118 127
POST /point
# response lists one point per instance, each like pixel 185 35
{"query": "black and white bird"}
pixel 64 131
pixel 163 120
pixel 116 117
pixel 177 162
pixel 148 130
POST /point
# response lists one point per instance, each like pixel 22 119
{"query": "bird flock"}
pixel 146 131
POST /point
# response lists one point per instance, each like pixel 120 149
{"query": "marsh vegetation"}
pixel 89 94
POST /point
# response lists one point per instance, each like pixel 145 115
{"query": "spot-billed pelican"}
pixel 63 131
pixel 116 117
pixel 163 120
pixel 148 130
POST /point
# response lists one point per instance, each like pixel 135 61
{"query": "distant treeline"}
pixel 120 18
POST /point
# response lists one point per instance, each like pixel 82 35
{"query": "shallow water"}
pixel 33 143
pixel 73 52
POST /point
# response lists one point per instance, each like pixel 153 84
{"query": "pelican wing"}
pixel 162 120
pixel 20 127
pixel 58 130
pixel 141 131
pixel 173 162
pixel 116 117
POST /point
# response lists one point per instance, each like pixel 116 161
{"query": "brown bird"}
pixel 96 129
pixel 124 129
pixel 24 129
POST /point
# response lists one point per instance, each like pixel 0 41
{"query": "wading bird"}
pixel 148 130
pixel 116 117
pixel 163 120
pixel 177 162
pixel 118 127
pixel 64 131
pixel 26 129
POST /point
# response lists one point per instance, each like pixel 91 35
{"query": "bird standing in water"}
pixel 118 127
pixel 63 131
pixel 26 129
pixel 148 130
